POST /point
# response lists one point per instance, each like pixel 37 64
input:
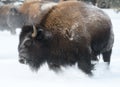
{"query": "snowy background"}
pixel 14 74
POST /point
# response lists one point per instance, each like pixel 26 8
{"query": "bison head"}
pixel 15 18
pixel 28 13
pixel 34 46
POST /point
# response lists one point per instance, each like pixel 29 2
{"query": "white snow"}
pixel 14 74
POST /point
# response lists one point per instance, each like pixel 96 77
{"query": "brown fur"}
pixel 62 18
pixel 33 11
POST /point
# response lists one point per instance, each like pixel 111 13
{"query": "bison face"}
pixel 34 46
pixel 16 19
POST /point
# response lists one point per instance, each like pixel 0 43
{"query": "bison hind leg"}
pixel 106 56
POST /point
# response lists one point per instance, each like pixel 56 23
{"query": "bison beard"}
pixel 68 33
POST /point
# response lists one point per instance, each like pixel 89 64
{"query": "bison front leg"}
pixel 86 66
pixel 85 63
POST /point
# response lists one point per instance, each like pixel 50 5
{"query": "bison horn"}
pixel 34 34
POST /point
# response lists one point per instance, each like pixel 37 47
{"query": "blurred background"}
pixel 99 3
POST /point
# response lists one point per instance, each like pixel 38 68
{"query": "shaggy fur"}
pixel 67 33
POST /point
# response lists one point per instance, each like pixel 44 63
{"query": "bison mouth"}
pixel 34 64
pixel 24 59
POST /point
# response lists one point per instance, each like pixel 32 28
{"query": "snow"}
pixel 14 74
pixel 48 6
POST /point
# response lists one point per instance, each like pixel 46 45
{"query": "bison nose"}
pixel 23 61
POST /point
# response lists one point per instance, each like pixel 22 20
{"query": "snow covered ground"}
pixel 14 74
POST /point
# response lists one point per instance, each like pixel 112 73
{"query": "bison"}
pixel 5 23
pixel 4 10
pixel 63 34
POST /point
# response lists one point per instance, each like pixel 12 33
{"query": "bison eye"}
pixel 40 35
pixel 28 43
